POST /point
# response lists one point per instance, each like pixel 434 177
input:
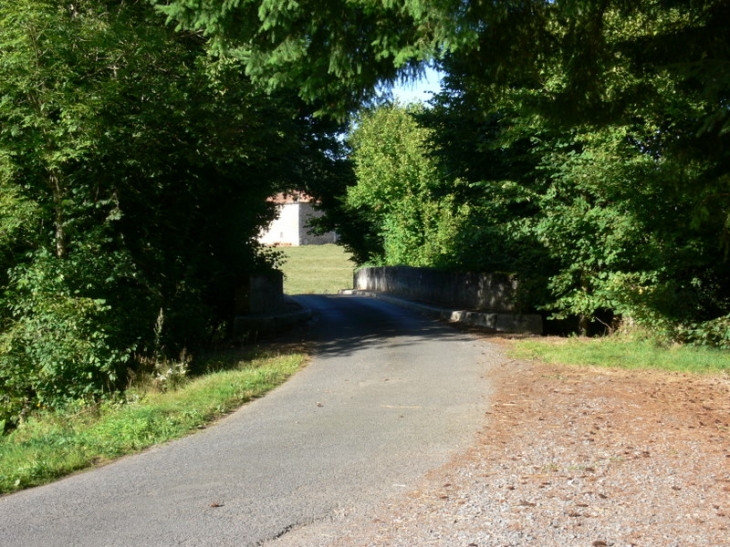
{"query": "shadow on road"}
pixel 341 325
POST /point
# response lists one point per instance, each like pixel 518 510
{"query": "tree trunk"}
pixel 584 321
pixel 55 184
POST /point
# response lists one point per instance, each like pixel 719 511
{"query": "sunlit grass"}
pixel 49 446
pixel 623 353
pixel 316 269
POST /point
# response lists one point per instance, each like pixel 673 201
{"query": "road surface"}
pixel 388 396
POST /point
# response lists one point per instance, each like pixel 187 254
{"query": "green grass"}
pixel 50 446
pixel 316 269
pixel 623 353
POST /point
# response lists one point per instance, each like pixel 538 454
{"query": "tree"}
pixel 601 185
pixel 334 53
pixel 339 51
pixel 134 172
pixel 397 190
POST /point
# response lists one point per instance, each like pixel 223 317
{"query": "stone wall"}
pixel 262 293
pixel 468 291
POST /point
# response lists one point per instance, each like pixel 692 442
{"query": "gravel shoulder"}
pixel 570 456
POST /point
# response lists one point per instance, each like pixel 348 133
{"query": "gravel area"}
pixel 568 456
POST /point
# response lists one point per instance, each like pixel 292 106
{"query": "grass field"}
pixel 614 351
pixel 316 269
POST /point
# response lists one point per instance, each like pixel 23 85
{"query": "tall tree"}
pixel 397 190
pixel 618 175
pixel 134 170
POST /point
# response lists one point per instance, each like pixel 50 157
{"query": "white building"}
pixel 291 227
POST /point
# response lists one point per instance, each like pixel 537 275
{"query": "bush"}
pixel 714 333
pixel 61 343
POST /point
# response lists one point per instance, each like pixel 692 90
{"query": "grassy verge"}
pixel 623 353
pixel 49 446
pixel 316 269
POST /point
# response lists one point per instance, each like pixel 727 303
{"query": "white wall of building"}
pixel 290 227
pixel 284 230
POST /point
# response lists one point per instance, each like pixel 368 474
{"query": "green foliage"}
pixel 333 53
pixel 594 222
pixel 398 190
pixel 134 171
pixel 713 333
pixel 602 190
pixel 337 52
pixel 62 343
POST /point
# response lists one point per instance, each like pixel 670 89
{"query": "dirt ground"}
pixel 576 456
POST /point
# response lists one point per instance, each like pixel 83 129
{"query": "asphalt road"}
pixel 388 396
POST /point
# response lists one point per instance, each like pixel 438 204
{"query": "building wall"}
pixel 290 228
pixel 284 230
